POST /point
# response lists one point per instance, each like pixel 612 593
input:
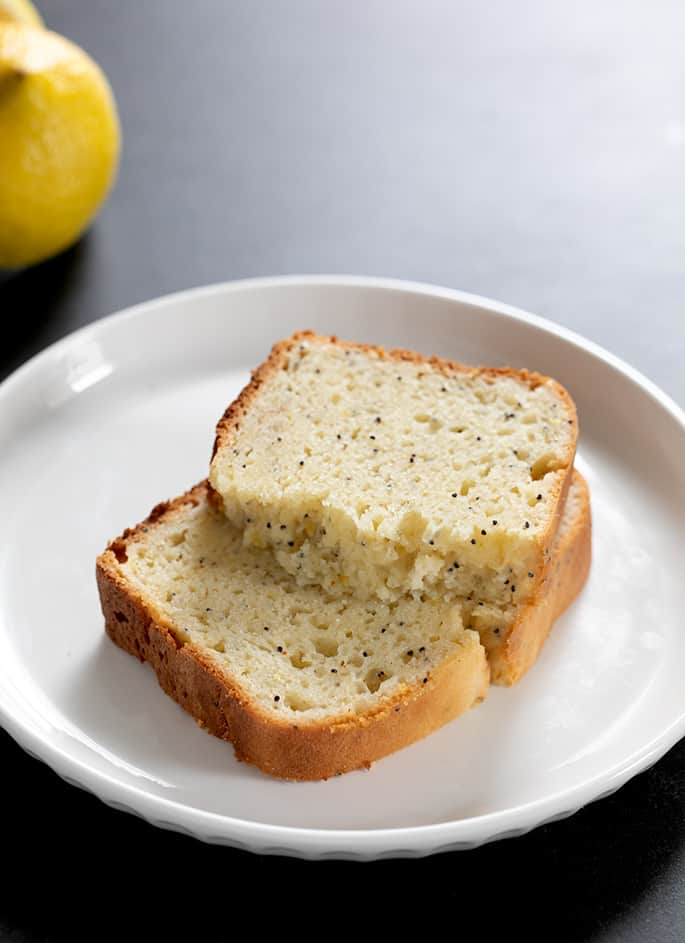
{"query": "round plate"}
pixel 104 424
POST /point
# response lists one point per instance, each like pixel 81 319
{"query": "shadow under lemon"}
pixel 33 304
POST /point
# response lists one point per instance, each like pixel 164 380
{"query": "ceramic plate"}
pixel 101 426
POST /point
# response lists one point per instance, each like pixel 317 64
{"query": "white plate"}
pixel 99 427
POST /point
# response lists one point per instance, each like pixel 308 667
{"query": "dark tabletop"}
pixel 529 151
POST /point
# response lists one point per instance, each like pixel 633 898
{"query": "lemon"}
pixel 20 11
pixel 59 143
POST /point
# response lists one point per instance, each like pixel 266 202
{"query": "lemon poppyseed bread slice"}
pixel 305 687
pixel 513 635
pixel 383 473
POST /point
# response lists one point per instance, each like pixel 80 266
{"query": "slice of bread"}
pixel 180 592
pixel 304 686
pixel 381 473
pixel 513 636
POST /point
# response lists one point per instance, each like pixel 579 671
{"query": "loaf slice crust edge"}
pixel 565 577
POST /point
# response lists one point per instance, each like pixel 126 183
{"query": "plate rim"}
pixel 304 841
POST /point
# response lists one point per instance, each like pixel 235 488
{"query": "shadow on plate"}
pixel 117 702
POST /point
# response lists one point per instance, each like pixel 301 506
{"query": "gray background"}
pixel 527 150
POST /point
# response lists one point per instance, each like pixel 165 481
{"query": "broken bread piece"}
pixel 304 686
pixel 379 474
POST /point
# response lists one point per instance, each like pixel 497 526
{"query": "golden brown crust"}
pixel 291 751
pixel 231 419
pixel 565 577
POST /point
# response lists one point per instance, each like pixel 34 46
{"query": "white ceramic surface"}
pixel 101 426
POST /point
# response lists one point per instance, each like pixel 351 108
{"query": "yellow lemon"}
pixel 59 143
pixel 20 11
